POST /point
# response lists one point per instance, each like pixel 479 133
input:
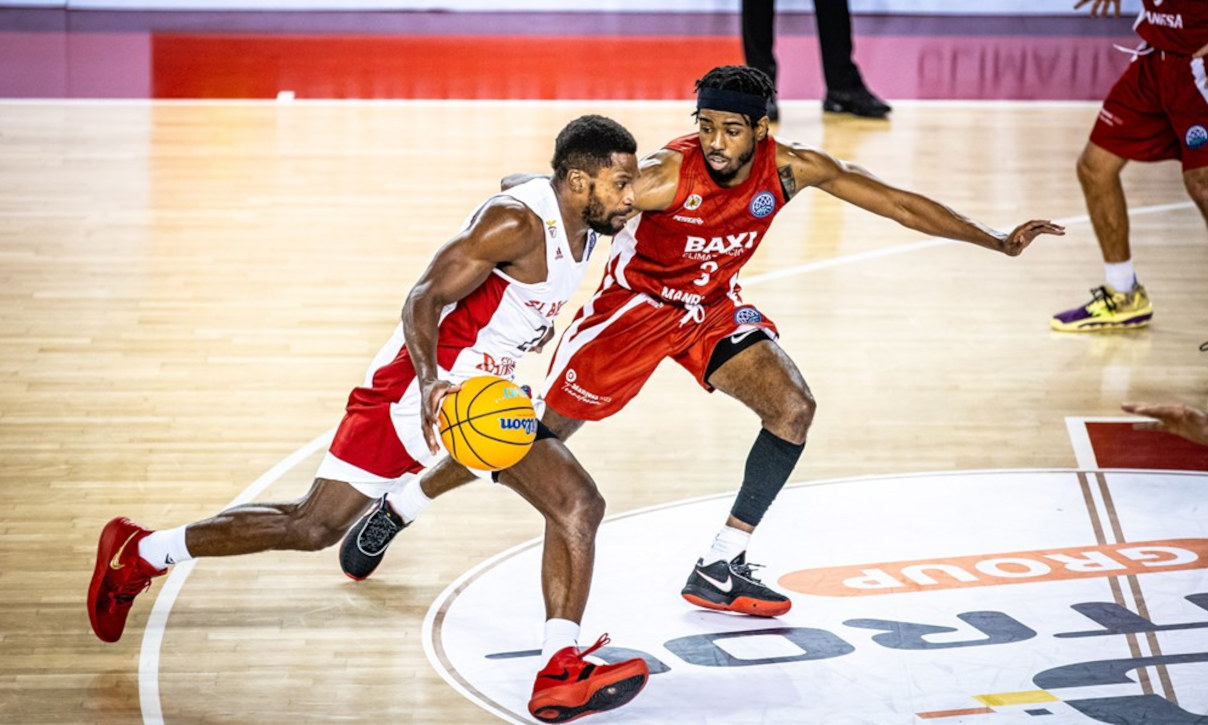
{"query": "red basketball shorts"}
pixel 619 337
pixel 379 445
pixel 1157 110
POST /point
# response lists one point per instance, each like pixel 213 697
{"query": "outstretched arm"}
pixel 1182 420
pixel 857 186
pixel 502 232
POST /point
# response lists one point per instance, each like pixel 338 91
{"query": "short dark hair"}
pixel 588 143
pixel 740 78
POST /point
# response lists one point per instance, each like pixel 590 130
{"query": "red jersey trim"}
pixel 461 327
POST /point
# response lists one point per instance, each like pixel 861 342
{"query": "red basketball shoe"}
pixel 570 687
pixel 120 576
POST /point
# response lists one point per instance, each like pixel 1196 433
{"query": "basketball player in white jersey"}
pixel 489 295
pixel 670 290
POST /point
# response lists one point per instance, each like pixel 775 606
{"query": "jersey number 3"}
pixel 707 269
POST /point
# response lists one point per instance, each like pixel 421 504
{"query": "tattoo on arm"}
pixel 787 183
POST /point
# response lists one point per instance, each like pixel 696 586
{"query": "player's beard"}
pixel 597 217
pixel 725 176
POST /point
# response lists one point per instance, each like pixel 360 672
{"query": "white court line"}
pixel 153 636
pixel 148 664
pixel 1080 441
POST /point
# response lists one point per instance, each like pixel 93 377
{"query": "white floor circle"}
pixel 1038 596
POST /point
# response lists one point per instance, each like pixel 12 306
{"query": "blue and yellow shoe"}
pixel 1107 310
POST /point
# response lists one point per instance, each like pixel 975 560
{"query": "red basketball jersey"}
pixel 690 253
pixel 1175 26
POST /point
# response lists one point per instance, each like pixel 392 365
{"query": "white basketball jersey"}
pixel 489 330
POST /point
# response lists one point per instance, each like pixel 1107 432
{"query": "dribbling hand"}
pixel 1022 235
pixel 430 395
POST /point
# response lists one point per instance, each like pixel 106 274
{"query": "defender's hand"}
pixel 1182 420
pixel 1022 235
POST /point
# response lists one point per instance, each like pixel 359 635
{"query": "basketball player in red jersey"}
pixel 670 290
pixel 1157 110
pixel 488 293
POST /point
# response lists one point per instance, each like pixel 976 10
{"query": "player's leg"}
pixel 128 555
pixel 1099 174
pixel 366 542
pixel 757 372
pixel 758 38
pixel 1196 181
pixel 845 88
pixel 553 481
pixel 1132 125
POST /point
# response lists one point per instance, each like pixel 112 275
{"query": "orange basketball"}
pixel 489 424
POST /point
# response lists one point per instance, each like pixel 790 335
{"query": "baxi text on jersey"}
pixel 731 244
pixel 1164 19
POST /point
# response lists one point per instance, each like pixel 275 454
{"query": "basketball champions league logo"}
pixel 989 613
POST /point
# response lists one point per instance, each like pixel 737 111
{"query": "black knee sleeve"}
pixel 769 465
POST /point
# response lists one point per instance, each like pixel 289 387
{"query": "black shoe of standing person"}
pixel 859 102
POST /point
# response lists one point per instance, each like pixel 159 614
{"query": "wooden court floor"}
pixel 191 289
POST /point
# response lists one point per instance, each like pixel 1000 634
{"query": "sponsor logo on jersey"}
pixel 583 395
pixel 731 244
pixel 688 219
pixel 504 367
pixel 693 202
pixel 675 295
pixel 1164 19
pixel 591 244
pixel 528 425
pixel 747 315
pixel 558 253
pixel 551 226
pixel 1196 137
pixel 571 375
pixel 763 204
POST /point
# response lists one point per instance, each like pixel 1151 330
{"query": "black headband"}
pixel 720 99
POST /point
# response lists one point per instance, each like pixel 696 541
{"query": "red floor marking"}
pixel 1117 445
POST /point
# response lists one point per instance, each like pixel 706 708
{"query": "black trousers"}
pixel 834 38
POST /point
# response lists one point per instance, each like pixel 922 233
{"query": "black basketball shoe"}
pixel 365 543
pixel 729 587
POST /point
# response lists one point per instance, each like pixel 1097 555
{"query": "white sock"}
pixel 410 502
pixel 1120 275
pixel 559 633
pixel 729 543
pixel 161 548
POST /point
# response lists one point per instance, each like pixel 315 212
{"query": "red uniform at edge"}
pixel 670 288
pixel 1158 109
